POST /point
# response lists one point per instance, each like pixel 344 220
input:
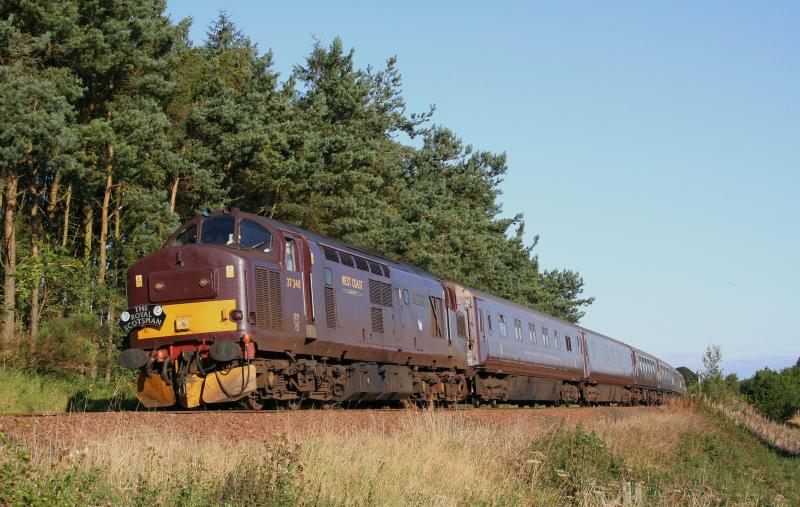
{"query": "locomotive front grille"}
pixel 269 300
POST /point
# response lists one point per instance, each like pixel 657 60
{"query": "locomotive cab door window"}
pixel 290 255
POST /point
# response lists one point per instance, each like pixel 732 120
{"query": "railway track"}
pixel 311 410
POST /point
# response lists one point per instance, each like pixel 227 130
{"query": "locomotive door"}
pixel 410 325
pixel 294 286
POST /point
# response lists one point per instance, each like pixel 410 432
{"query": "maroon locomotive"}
pixel 236 306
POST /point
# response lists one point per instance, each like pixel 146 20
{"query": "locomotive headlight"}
pixel 158 286
pixel 203 282
pixel 158 310
pixel 237 315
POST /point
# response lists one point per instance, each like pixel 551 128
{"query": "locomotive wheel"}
pixel 493 403
pixel 476 402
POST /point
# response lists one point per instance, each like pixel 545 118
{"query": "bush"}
pixel 774 394
pixel 70 344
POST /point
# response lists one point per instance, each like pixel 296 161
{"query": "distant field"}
pixel 677 455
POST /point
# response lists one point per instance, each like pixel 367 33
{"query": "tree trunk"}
pixel 10 266
pixel 36 271
pixel 109 317
pixel 101 268
pixel 88 219
pixel 67 200
pixel 173 195
pixel 53 200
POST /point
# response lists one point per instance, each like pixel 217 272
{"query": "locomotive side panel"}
pixel 369 310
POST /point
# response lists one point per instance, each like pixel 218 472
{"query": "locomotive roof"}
pixel 319 238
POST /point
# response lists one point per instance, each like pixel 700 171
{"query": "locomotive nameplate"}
pixel 141 316
pixel 353 283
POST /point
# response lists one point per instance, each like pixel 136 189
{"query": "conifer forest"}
pixel 116 127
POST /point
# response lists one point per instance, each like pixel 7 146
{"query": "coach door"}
pixel 581 341
pixel 480 327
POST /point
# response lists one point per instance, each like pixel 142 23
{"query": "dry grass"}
pixel 783 437
pixel 426 458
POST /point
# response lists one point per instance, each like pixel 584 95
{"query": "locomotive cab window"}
pixel 218 230
pixel 328 277
pixel 252 235
pixel 187 237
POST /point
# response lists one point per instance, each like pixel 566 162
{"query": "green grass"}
pixel 26 392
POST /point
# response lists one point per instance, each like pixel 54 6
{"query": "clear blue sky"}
pixel 655 147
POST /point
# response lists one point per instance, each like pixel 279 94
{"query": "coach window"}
pixel 405 296
pixel 501 325
pixel 518 330
pixel 252 235
pixel 489 321
pixel 545 337
pixel 218 230
pixel 555 339
pixel 532 332
pixel 187 237
pixel 568 341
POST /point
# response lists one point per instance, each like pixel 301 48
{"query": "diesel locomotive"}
pixel 239 307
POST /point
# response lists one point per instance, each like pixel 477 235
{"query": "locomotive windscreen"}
pixel 218 230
